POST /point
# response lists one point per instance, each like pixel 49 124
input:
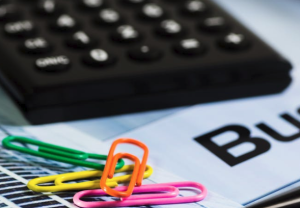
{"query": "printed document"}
pixel 16 169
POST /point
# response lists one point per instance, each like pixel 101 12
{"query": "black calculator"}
pixel 62 60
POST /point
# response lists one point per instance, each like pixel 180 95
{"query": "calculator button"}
pixel 108 17
pixel 9 12
pixel 134 2
pixel 173 1
pixel 170 28
pixel 35 46
pixel 3 2
pixel 234 42
pixel 53 64
pixel 80 40
pixel 22 28
pixel 145 53
pixel 91 4
pixel 126 34
pixel 214 25
pixel 64 23
pixel 48 8
pixel 194 8
pixel 98 58
pixel 152 12
pixel 189 47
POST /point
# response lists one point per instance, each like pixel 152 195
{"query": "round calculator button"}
pixel 9 12
pixel 53 63
pixel 194 8
pixel 4 2
pixel 126 34
pixel 64 23
pixel 48 8
pixel 22 28
pixel 91 4
pixel 173 1
pixel 134 2
pixel 214 25
pixel 234 42
pixel 36 46
pixel 152 11
pixel 98 58
pixel 145 53
pixel 108 17
pixel 189 47
pixel 80 40
pixel 170 28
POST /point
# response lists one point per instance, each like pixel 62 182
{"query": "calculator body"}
pixel 55 73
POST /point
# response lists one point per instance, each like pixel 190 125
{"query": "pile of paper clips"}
pixel 153 194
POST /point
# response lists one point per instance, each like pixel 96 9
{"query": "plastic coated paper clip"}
pixel 138 172
pixel 95 184
pixel 146 199
pixel 57 153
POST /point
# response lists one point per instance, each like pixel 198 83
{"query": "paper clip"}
pixel 138 172
pixel 95 184
pixel 58 153
pixel 144 200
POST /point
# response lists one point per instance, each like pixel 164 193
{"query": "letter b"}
pixel 261 145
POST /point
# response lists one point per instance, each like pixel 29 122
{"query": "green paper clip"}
pixel 57 153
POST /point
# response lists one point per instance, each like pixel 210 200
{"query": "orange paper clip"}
pixel 138 172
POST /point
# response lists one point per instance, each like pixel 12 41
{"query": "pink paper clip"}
pixel 146 199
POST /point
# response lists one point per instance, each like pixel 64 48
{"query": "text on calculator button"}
pixel 126 34
pixel 234 42
pixel 108 17
pixel 48 7
pixel 170 28
pixel 20 28
pixel 189 47
pixel 36 46
pixel 214 25
pixel 98 58
pixel 53 64
pixel 194 8
pixel 80 40
pixel 152 11
pixel 65 23
pixel 9 12
pixel 145 53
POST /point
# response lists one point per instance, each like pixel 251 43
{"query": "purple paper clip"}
pixel 170 197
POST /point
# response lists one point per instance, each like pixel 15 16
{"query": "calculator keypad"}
pixel 174 28
pixel 78 55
